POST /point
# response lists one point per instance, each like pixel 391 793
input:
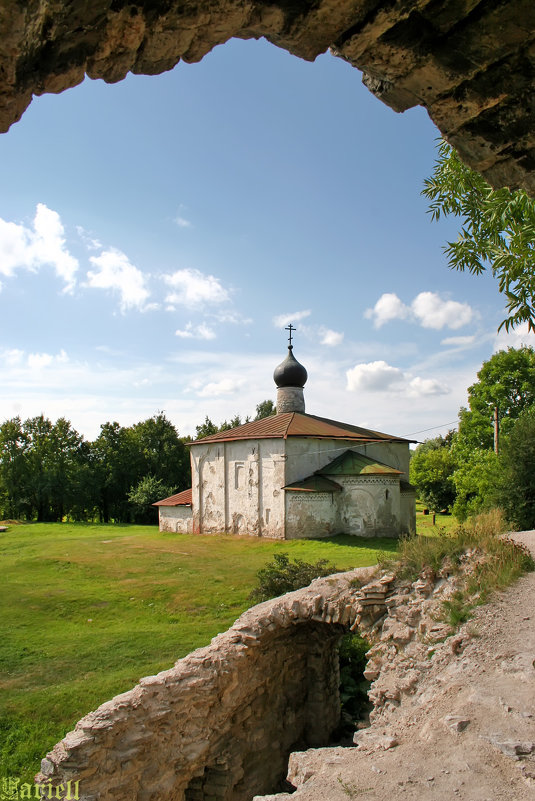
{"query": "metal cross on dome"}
pixel 290 328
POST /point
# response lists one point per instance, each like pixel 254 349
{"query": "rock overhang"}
pixel 470 64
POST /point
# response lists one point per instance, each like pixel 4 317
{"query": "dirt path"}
pixel 469 731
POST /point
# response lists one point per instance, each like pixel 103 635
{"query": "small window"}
pixel 267 514
pixel 386 494
pixel 239 475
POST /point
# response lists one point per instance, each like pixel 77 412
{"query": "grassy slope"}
pixel 87 610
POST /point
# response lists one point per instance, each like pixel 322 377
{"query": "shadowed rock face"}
pixel 471 63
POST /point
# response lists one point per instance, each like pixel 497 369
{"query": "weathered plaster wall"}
pixel 312 514
pixel 220 724
pixel 178 519
pixel 470 63
pixel 306 455
pixel 370 506
pixel 408 512
pixel 236 487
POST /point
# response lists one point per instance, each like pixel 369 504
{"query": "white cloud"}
pixel 13 357
pixel 373 376
pixel 433 312
pixel 427 308
pixel 426 386
pixel 194 289
pixel 116 273
pixel 282 320
pixel 36 361
pixel 514 338
pixel 227 386
pixel 388 307
pixel 235 318
pixel 31 249
pixel 89 241
pixel 330 337
pixel 180 219
pixel 458 341
pixel 201 331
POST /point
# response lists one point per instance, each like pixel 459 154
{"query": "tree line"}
pixel 471 470
pixel 49 472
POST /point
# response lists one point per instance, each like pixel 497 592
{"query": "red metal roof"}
pixel 295 424
pixel 180 499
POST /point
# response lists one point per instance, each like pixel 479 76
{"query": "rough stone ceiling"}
pixel 471 63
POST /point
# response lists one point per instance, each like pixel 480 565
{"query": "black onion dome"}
pixel 290 373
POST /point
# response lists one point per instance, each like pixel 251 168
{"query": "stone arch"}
pixel 223 721
pixel 471 65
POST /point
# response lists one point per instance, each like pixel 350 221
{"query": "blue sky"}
pixel 157 235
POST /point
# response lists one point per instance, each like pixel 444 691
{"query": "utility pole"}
pixel 496 431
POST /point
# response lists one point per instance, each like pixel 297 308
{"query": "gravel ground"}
pixel 469 731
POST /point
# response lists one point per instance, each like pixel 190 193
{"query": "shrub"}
pixel 281 575
pixel 353 686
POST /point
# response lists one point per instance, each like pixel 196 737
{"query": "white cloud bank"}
pixel 214 389
pixel 428 309
pixel 115 272
pixel 379 376
pixel 372 377
pixel 282 320
pixel 194 289
pixel 330 337
pixel 32 248
pixel 201 331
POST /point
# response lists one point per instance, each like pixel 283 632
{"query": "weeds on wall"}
pixel 496 560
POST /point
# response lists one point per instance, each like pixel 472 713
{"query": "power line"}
pixel 423 430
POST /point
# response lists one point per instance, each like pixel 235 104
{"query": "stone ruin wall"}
pixel 470 63
pixel 220 724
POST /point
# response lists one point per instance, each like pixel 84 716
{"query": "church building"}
pixel 295 475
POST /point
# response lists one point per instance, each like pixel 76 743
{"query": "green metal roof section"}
pixel 314 484
pixel 350 463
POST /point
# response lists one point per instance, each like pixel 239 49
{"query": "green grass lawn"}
pixel 425 525
pixel 87 610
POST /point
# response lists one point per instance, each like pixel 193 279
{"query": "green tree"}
pixel 206 429
pixel 516 489
pixel 497 231
pixel 162 453
pixel 117 466
pixel 149 490
pixel 475 480
pixel 505 381
pixel 13 469
pixel 431 469
pixel 265 409
pixel 52 457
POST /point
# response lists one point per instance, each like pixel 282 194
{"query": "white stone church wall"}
pixel 311 514
pixel 408 512
pixel 394 454
pixel 306 455
pixel 370 506
pixel 237 487
pixel 178 519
